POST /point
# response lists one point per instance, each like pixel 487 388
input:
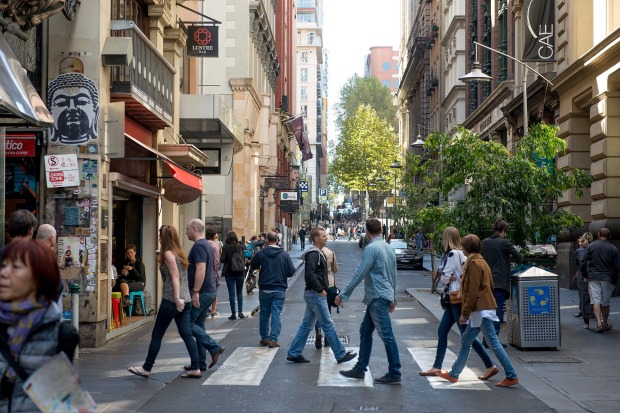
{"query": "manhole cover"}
pixel 343 339
pixel 537 360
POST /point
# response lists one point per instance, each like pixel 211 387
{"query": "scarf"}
pixel 470 258
pixel 22 316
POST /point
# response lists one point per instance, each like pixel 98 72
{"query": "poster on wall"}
pixel 73 100
pixel 61 171
pixel 70 252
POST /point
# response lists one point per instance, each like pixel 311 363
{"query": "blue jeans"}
pixel 500 296
pixel 168 312
pixel 235 283
pixel 451 315
pixel 378 317
pixel 197 319
pixel 488 330
pixel 316 308
pixel 271 304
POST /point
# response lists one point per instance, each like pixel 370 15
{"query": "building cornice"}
pixel 246 84
pixel 264 40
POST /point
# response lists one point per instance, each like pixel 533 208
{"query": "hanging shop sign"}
pixel 276 182
pixel 288 196
pixel 20 146
pixel 61 171
pixel 202 41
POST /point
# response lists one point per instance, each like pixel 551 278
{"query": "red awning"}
pixel 184 187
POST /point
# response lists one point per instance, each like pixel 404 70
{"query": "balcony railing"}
pixel 147 84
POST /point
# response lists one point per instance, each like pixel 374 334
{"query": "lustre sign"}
pixel 19 147
pixel 202 41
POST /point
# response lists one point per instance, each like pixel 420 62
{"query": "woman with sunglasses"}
pixel 175 304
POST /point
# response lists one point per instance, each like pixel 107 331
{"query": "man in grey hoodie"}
pixel 315 296
pixel 276 267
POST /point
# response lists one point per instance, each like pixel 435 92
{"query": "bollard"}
pixel 433 266
pixel 74 289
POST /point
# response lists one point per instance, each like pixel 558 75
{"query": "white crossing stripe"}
pixel 246 366
pixel 329 371
pixel 468 380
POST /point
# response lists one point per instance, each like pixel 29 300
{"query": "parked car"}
pixel 405 256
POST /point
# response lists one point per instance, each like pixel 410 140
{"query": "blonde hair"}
pixel 586 238
pixel 169 238
pixel 451 239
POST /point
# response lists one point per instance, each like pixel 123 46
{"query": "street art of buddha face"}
pixel 74 102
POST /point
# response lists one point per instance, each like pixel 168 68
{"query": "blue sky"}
pixel 350 29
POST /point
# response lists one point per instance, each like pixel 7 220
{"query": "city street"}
pixel 250 378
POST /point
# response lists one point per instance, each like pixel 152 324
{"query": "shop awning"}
pixel 18 97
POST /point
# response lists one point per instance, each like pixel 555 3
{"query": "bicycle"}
pixel 251 278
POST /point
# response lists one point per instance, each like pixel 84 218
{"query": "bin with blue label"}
pixel 533 313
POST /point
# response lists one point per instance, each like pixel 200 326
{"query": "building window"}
pixel 386 66
pixel 304 75
pixel 396 84
pixel 304 93
pixel 311 38
pixel 304 57
pixel 396 66
pixel 306 4
pixel 387 83
pixel 134 10
pixel 304 111
pixel 502 17
pixel 306 17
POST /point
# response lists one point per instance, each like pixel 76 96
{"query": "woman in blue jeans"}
pixel 175 304
pixel 478 313
pixel 234 278
pixel 451 272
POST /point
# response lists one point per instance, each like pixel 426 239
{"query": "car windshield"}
pixel 398 245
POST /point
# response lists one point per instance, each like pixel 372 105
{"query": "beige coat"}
pixel 332 265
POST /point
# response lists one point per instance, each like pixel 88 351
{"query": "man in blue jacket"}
pixel 276 267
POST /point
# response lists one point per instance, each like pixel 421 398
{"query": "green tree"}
pixel 366 148
pixel 520 187
pixel 365 91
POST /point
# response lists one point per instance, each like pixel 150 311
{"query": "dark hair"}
pixel 471 244
pixel 231 238
pixel 20 223
pixel 373 226
pixel 210 233
pixel 500 226
pixel 131 247
pixel 604 232
pixel 39 257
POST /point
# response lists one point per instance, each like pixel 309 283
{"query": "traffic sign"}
pixel 303 186
pixel 322 192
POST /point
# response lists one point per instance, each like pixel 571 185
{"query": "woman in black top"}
pixel 132 276
pixel 234 279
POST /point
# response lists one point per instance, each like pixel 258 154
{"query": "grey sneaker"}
pixel 387 379
pixel 354 373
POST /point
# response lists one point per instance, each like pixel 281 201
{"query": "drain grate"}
pixel 343 339
pixel 351 408
pixel 551 359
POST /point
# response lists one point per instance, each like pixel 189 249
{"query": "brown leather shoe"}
pixel 508 382
pixel 274 344
pixel 446 376
pixel 263 342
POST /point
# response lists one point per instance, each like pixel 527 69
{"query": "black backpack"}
pixel 237 263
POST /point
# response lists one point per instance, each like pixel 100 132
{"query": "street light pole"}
pixel 477 76
pixel 394 166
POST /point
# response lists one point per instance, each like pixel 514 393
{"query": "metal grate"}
pixel 343 339
pixel 538 360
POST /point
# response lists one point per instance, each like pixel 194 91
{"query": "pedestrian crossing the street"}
pixel 247 366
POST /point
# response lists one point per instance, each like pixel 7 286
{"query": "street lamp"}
pixel 477 76
pixel 419 141
pixel 395 166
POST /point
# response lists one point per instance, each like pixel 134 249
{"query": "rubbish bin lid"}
pixel 535 272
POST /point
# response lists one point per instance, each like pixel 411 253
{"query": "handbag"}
pixel 455 297
pixel 444 299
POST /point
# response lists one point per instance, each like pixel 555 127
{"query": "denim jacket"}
pixel 378 270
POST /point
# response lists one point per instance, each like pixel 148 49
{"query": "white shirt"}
pixel 475 318
pixel 453 266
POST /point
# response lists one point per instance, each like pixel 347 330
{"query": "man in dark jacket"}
pixel 496 251
pixel 600 267
pixel 302 238
pixel 315 296
pixel 276 267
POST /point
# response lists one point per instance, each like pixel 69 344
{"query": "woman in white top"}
pixel 451 272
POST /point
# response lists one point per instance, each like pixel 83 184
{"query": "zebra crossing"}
pixel 247 366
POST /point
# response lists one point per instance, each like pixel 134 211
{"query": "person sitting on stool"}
pixel 132 276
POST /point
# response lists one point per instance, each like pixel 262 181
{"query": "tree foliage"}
pixel 366 148
pixel 365 91
pixel 519 187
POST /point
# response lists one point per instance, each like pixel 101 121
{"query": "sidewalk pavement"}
pixel 582 375
pixel 103 370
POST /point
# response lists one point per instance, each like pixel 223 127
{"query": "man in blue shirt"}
pixel 378 270
pixel 203 285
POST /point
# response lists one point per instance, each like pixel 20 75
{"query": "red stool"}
pixel 116 310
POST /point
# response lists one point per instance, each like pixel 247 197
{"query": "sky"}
pixel 350 29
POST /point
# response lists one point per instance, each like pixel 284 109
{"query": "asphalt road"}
pixel 254 379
